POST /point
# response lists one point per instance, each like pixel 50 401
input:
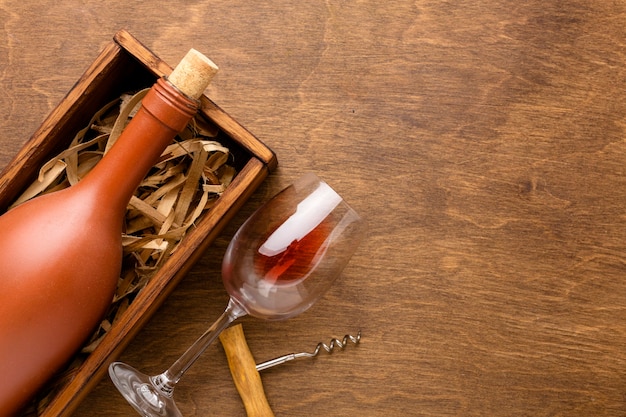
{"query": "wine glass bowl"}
pixel 288 253
pixel 281 260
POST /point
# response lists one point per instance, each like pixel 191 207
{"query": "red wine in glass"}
pixel 295 260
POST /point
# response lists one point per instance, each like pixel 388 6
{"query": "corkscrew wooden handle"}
pixel 243 369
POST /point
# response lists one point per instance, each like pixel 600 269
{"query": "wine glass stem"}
pixel 168 379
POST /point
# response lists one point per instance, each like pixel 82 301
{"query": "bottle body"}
pixel 50 307
pixel 60 253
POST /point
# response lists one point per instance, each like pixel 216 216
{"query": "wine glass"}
pixel 280 261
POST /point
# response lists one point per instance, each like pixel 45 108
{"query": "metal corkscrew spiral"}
pixel 334 343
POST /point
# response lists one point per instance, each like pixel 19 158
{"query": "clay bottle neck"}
pixel 164 112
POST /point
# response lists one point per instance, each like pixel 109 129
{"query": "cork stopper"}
pixel 193 74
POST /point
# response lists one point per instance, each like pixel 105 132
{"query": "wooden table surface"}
pixel 483 141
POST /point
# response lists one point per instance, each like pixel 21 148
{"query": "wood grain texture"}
pixel 484 142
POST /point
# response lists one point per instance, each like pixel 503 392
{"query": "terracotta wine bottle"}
pixel 60 253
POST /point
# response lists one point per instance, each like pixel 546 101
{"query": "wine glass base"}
pixel 138 389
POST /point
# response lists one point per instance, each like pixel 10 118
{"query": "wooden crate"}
pixel 126 65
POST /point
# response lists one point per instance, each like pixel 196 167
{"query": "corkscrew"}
pixel 334 343
pixel 245 372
